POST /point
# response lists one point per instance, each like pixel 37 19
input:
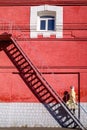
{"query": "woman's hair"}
pixel 72 87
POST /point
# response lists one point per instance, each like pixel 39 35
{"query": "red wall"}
pixel 21 14
pixel 50 56
pixel 14 14
pixel 75 14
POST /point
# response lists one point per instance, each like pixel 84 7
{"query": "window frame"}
pixel 46 18
pixel 37 11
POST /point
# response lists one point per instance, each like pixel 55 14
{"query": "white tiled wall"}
pixel 83 114
pixel 25 115
pixel 31 115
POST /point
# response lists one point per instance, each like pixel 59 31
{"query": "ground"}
pixel 37 129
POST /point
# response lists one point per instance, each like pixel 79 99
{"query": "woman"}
pixel 71 103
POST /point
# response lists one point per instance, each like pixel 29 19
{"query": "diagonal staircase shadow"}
pixel 37 84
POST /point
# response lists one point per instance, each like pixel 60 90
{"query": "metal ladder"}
pixel 37 84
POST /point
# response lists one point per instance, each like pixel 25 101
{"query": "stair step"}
pixel 54 105
pixel 59 118
pixel 20 59
pixel 35 83
pixel 46 98
pixel 27 71
pixel 70 123
pixel 37 86
pixel 17 56
pixel 22 68
pixel 66 120
pixel 22 63
pixel 41 90
pixel 55 109
pixel 30 83
pixel 51 101
pixel 28 76
pixel 15 52
pixel 32 79
pixel 75 125
pixel 11 49
pixel 44 94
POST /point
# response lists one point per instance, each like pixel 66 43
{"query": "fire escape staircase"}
pixel 37 84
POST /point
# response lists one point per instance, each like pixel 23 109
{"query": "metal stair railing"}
pixel 48 86
pixel 49 92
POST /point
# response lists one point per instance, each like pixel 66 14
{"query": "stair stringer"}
pixel 57 101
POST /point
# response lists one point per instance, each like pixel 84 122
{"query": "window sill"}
pixel 47 34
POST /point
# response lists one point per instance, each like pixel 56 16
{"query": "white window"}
pixel 46 20
pixel 47 23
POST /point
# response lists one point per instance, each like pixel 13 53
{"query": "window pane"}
pixel 42 24
pixel 51 24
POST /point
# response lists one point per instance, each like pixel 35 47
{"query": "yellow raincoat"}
pixel 71 103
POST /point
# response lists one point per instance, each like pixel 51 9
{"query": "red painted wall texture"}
pixel 61 61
